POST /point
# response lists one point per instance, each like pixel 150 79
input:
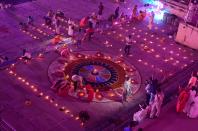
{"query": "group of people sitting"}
pixel 5 6
pixel 25 25
pixel 72 85
pixel 188 98
pixel 54 19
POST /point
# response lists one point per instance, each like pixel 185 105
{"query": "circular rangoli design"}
pixel 106 74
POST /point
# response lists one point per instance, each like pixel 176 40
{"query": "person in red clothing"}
pixel 63 90
pixel 84 22
pixel 182 100
pixel 90 92
pixel 89 33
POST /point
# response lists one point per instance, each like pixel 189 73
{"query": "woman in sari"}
pixel 182 100
pixel 134 12
pixel 63 90
pixel 90 92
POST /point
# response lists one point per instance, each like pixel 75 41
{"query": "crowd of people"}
pixel 187 101
pixel 85 30
pixel 5 6
pixel 188 98
pixel 154 100
pixel 88 25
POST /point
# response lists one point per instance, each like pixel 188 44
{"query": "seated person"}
pixel 48 21
pixel 57 84
pixel 60 14
pixel 123 18
pixel 90 92
pixel 23 26
pixel 1 59
pixel 141 114
pixel 142 15
pixel 1 6
pixel 70 22
pixel 77 81
pixel 50 14
pixel 26 55
pixel 64 89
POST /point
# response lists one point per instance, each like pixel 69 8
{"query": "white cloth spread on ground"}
pixel 140 115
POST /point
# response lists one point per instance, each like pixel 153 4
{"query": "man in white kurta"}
pixel 194 109
pixel 193 80
pixel 190 101
pixel 128 85
pixel 157 103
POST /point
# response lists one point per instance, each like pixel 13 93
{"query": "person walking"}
pixel 127 47
pixel 157 103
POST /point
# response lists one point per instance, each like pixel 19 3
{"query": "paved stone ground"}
pixel 150 55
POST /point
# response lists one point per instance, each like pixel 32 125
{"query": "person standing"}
pixel 157 103
pixel 124 96
pixel 30 20
pixel 100 9
pixel 128 86
pixel 71 31
pixel 127 47
pixel 79 37
pixel 148 92
pixel 134 12
pixel 193 80
pixel 110 20
pixel 151 20
pixel 117 12
pixel 89 33
pixel 193 113
pixel 56 23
